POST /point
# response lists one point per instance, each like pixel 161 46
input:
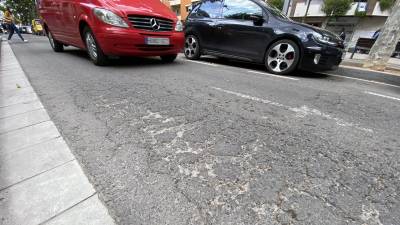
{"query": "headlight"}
pixel 323 39
pixel 179 26
pixel 109 17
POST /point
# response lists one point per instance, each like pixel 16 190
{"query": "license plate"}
pixel 156 41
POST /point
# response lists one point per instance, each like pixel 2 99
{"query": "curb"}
pixel 41 182
pixel 360 66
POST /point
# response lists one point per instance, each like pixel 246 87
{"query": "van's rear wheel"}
pixel 192 48
pixel 282 57
pixel 55 45
pixel 93 48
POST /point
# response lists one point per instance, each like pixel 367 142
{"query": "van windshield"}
pixel 276 12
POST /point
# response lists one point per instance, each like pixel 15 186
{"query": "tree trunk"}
pixel 308 8
pixel 386 43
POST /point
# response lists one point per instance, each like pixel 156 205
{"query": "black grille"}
pixel 151 23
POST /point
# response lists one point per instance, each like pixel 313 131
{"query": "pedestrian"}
pixel 342 34
pixel 10 21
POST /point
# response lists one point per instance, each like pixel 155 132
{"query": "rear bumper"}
pixel 321 58
pixel 131 42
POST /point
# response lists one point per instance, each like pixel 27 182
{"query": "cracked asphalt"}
pixel 218 142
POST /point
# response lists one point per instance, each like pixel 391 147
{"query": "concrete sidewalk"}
pixel 40 180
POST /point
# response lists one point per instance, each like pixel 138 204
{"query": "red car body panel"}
pixel 64 17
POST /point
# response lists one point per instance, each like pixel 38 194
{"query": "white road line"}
pixel 201 62
pixel 383 96
pixel 272 75
pixel 299 111
pixel 359 79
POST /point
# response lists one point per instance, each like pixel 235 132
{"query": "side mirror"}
pixel 257 19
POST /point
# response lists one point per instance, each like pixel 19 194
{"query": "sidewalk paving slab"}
pixel 44 196
pixel 17 99
pixel 33 160
pixel 16 109
pixel 25 137
pixel 23 120
pixel 89 212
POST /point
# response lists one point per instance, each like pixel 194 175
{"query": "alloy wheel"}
pixel 91 46
pixel 191 46
pixel 281 57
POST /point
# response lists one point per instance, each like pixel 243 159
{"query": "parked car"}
pixel 25 29
pixel 253 31
pixel 37 27
pixel 113 28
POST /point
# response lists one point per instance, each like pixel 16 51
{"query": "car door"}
pixel 204 19
pixel 70 30
pixel 245 29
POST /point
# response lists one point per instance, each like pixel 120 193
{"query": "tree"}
pixel 277 3
pixel 24 10
pixel 386 43
pixel 386 4
pixel 336 7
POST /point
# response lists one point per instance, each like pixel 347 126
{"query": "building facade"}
pixel 180 7
pixel 355 26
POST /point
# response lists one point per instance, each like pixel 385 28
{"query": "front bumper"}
pixel 131 42
pixel 318 57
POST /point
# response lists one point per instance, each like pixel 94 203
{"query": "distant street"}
pixel 220 142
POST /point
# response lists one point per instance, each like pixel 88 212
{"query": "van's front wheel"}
pixel 93 48
pixel 55 45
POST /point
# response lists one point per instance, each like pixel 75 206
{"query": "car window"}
pixel 241 9
pixel 210 9
pixel 274 11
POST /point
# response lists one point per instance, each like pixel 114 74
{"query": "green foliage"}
pixel 23 10
pixel 336 7
pixel 386 4
pixel 360 14
pixel 277 3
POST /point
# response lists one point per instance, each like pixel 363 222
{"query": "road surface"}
pixel 219 142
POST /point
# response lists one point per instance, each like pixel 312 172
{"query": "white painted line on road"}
pixel 383 96
pixel 201 62
pixel 359 79
pixel 272 75
pixel 300 112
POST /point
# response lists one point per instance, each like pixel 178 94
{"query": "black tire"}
pixel 55 45
pixel 192 49
pixel 168 58
pixel 282 57
pixel 93 48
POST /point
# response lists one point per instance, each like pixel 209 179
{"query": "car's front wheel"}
pixel 282 57
pixel 93 48
pixel 192 47
pixel 55 45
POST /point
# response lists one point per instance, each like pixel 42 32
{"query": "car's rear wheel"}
pixel 282 57
pixel 168 58
pixel 55 45
pixel 192 47
pixel 93 48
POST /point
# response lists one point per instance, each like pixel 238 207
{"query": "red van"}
pixel 113 28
